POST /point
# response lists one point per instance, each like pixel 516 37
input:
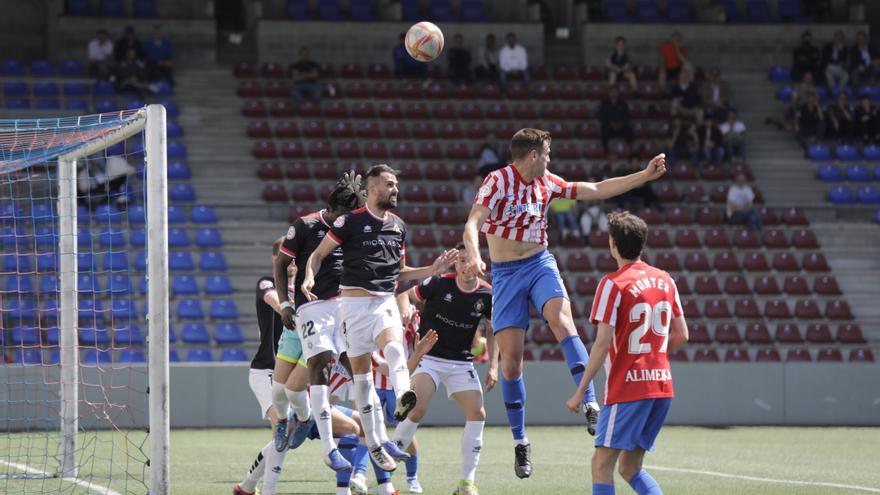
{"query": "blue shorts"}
pixel 629 425
pixel 389 402
pixel 515 283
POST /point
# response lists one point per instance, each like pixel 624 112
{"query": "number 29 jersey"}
pixel 639 302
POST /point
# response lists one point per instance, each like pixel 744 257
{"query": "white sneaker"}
pixel 414 485
pixel 382 459
pixel 358 485
pixel 591 411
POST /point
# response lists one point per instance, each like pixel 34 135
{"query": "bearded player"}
pixel 511 209
pixel 635 307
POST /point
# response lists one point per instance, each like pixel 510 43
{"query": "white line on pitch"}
pixel 766 480
pixel 76 481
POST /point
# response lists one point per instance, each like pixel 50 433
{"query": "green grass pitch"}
pixel 740 460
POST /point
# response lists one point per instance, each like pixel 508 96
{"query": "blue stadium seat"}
pixel 79 8
pixel 217 284
pixel 228 333
pixel 86 262
pixel 878 216
pixel 361 10
pixel 45 237
pixel 179 170
pixel 49 309
pixel 42 213
pixel 42 68
pixel 109 238
pixel 176 149
pixel 759 11
pixel 96 357
pixel 647 11
pixel 48 104
pixel 615 10
pixel 12 89
pixel 837 90
pixel 20 308
pixel 223 309
pixel 84 239
pixel 19 284
pixel 868 195
pixel 847 152
pixel 70 68
pixel 12 68
pixel 208 238
pixel 106 106
pixel 90 309
pixel 137 215
pixel 328 10
pixel 16 263
pixel 144 8
pixel 123 310
pixel 858 173
pixel 182 192
pixel 190 309
pixel 195 333
pixel 115 262
pixel 441 10
pixel 176 215
pixel 108 214
pixel 172 335
pixel 731 11
pixel 119 284
pixel 871 152
pixel 75 89
pixel 80 106
pixel 173 130
pixel 178 238
pixel 171 111
pixel 138 238
pixel 49 284
pixel 10 236
pixel 203 214
pixel 47 262
pixel 53 358
pixel 173 357
pixel 140 261
pixel 829 173
pixel 133 104
pixel 28 357
pixel 298 10
pixel 102 88
pixel 213 262
pixel 410 10
pixel 784 93
pixel 233 355
pixel 199 356
pixel 184 285
pixel 678 11
pixel 10 213
pixel 18 103
pixel 45 89
pixel 819 152
pixel 841 195
pixel 112 8
pixel 131 356
pixel 128 335
pixel 25 336
pixel 94 335
pixel 52 337
pixel 181 261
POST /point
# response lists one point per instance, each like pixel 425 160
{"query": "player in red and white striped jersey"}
pixel 511 209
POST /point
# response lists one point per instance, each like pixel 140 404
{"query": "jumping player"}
pixel 373 242
pixel 316 320
pixel 511 209
pixel 634 308
pixel 454 306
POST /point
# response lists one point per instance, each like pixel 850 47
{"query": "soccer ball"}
pixel 424 41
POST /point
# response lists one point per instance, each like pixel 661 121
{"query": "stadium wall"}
pixel 23 35
pixel 371 42
pixel 217 395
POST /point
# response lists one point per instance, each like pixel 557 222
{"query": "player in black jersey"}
pixel 373 242
pixel 315 321
pixel 454 306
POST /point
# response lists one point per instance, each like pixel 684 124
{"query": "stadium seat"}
pixel 846 152
pixel 130 356
pixel 706 356
pixel 228 333
pixel 181 261
pixel 115 262
pixel 144 8
pixel 841 195
pixel 826 286
pixel 806 309
pixel 774 239
pixel 706 284
pixel 184 285
pixel 96 357
pixel 746 239
pixel 696 262
pixel 766 286
pixel 128 335
pixel 223 309
pixel 779 74
pixel 819 333
pixel 691 309
pixel 361 10
pixel 190 309
pixel 756 333
pixel 208 238
pixel 726 333
pixel 785 262
pixel 849 333
pixel 819 152
pixel 123 310
pixel 233 355
pixel 868 195
pixel 871 152
pixel 838 310
pixel 212 261
pixel 829 173
pixel 195 333
pixel 199 356
pixel 667 261
pixel 829 356
pixel 736 355
pixel 767 356
pixel 746 309
pixel 119 284
pixel 138 238
pixel 178 237
pixel 798 356
pixel 858 173
pixel 861 356
pixel 815 262
pixel 181 192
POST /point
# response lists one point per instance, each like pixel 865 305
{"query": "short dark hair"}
pixel 379 169
pixel 629 233
pixel 459 246
pixel 276 246
pixel 526 140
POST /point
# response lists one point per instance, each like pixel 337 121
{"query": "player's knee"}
pixel 602 465
pixel 477 415
pixel 512 369
pixel 628 468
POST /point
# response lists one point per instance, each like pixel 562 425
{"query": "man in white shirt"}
pixel 733 133
pixel 740 200
pixel 513 62
pixel 101 55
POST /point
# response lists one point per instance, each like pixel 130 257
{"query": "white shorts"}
pixel 316 326
pixel 363 319
pixel 456 376
pixel 261 385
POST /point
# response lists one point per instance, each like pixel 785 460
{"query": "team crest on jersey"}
pixel 447 297
pixel 321 234
pixel 339 222
pixel 484 191
pixel 395 228
pixel 479 307
pixel 291 232
pixel 367 228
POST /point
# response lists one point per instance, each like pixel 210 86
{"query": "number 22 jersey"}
pixel 639 302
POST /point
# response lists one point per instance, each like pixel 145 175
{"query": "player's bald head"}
pixel 629 234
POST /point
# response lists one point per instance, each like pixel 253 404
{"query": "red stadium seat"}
pixel 459 151
pixel 819 333
pixel 699 334
pixel 593 151
pixel 448 216
pixel 517 91
pixel 365 110
pixel 450 130
pixel 706 284
pixel 410 90
pixel 684 172
pixel 287 129
pixel 345 150
pixel 423 238
pixel 578 262
pixel 806 309
pixel 384 90
pixel 326 170
pixel 271 70
pixel 706 356
pixel 861 356
pixel 430 151
pixel 543 91
pixel 576 171
pixel 709 216
pixel 766 286
pixel 694 193
pixel 258 129
pixel 565 151
pixel 304 193
pixel 450 237
pixel 254 109
pixel 399 151
pixel 280 109
pixel 351 71
pixel 805 239
pixel 569 91
pixel 464 171
pixel 428 258
pixel 423 130
pixel 756 333
pixel 658 239
pixel 505 130
pixel 666 193
pixel 826 286
pixel 270 171
pixel 746 239
pixel 775 239
pixel 393 130
pixel 726 262
pixel 681 283
pixel 418 215
pixel 716 308
pixel 552 111
pixel 336 110
pixel 650 215
pixel 298 171
pixel 274 193
pixel 599 240
pixel 785 262
pixel 464 93
pixel 436 171
pixel 838 310
pixel 746 309
pixel 794 216
pixel 538 73
pixel 437 91
pixel 578 111
pixel 415 111
pixel 650 91
pixel 815 262
pixel 526 111
pixel 798 356
pixel 596 91
pixel 377 151
pixel 605 263
pixel 277 89
pixel 736 285
pixel 314 129
pixel 829 356
pixel 696 262
pixel 416 193
pixel 795 285
pixel 543 335
pixel 553 354
pixel 244 69
pixel 690 309
pixel 586 286
pixel 667 261
pixel 769 216
pixel 250 89
pixel 678 355
pixel 718 193
pixel 767 356
pixel 489 91
pixel 777 309
pixel 850 333
pixel 736 356
pixel 297 211
pixel 477 130
pixel 357 89
pixel 713 172
pixel 265 150
pixel 587 130
pixel 755 262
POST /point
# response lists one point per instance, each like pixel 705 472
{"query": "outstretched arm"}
pixel 591 191
pixel 440 265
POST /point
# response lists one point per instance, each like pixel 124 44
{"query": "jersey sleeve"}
pixel 265 284
pixel 426 288
pixel 560 188
pixel 605 303
pixel 404 234
pixel 293 240
pixel 488 311
pixel 676 304
pixel 490 192
pixel 339 231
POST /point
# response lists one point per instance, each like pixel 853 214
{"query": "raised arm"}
pixel 592 191
pixel 323 250
pixel 471 239
pixel 597 359
pixel 440 265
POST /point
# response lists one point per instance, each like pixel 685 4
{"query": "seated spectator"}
pixel 129 41
pixel 843 122
pixel 592 215
pixel 103 181
pixel 406 67
pixel 131 74
pixel 711 149
pixel 618 64
pixel 863 61
pixel 117 171
pixel 740 199
pixel 159 55
pixel 681 141
pixel 672 60
pixel 733 135
pixel 459 61
pixel 806 59
pixel 305 77
pixel 809 121
pixel 614 118
pixel 469 192
pixel 685 98
pixel 564 217
pixel 866 120
pixel 715 95
pixel 804 90
pixel 490 156
pixel 101 56
pixel 513 62
pixel 835 57
pixel 487 59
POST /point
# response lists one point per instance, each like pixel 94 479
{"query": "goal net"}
pixel 83 304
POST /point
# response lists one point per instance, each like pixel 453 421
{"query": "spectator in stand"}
pixel 843 121
pixel 131 74
pixel 715 95
pixel 406 67
pixel 459 61
pixel 733 135
pixel 487 61
pixel 835 56
pixel 740 204
pixel 672 60
pixel 101 55
pixel 685 98
pixel 634 199
pixel 592 214
pixel 806 59
pixel 159 55
pixel 614 118
pixel 490 156
pixel 863 61
pixel 564 218
pixel 804 90
pixel 809 121
pixel 129 41
pixel 513 62
pixel 681 141
pixel 618 64
pixel 305 77
pixel 711 149
pixel 866 120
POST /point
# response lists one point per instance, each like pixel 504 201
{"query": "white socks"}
pixel 405 432
pixel 249 484
pixel 319 398
pixel 280 400
pixel 386 488
pixel 398 373
pixel 379 417
pixel 300 402
pixel 363 398
pixel 343 490
pixel 274 463
pixel 471 445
